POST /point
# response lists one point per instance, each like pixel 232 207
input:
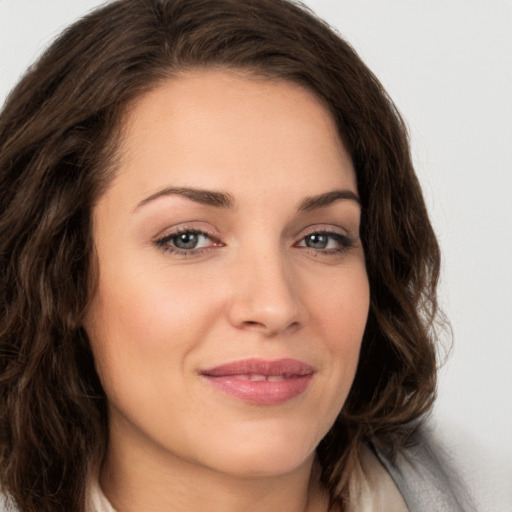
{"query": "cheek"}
pixel 150 308
pixel 146 323
pixel 341 315
pixel 342 308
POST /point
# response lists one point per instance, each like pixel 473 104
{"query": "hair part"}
pixel 59 132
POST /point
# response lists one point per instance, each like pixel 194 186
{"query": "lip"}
pixel 259 381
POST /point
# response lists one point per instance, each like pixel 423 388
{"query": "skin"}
pixel 258 284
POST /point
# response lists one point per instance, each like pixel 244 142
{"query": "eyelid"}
pixel 326 229
pixel 165 236
pixel 186 227
pixel 340 235
pixel 337 233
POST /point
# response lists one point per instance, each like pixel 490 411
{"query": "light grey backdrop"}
pixel 448 66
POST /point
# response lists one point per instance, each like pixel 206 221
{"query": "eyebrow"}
pixel 225 200
pixel 326 199
pixel 207 197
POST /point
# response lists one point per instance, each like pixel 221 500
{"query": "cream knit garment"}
pixel 372 489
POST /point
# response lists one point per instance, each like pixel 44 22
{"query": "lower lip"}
pixel 261 392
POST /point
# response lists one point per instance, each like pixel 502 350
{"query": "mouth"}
pixel 262 382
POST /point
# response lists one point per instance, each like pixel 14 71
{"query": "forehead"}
pixel 216 128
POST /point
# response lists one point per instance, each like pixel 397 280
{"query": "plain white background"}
pixel 448 66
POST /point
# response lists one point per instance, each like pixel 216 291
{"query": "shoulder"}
pixel 425 476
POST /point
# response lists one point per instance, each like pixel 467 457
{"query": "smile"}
pixel 262 382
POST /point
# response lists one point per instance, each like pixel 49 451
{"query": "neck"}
pixel 137 481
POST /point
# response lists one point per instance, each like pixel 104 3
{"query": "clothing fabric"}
pixel 98 502
pixel 425 476
pixel 372 489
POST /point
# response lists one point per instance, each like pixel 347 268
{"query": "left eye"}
pixel 322 241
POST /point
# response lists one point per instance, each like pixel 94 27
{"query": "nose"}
pixel 266 295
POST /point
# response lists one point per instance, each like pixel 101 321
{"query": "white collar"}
pixel 372 489
pixel 98 502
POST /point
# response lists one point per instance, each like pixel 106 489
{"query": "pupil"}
pixel 317 241
pixel 186 241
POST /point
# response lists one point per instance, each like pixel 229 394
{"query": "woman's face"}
pixel 232 293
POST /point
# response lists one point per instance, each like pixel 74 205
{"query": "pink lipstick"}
pixel 258 381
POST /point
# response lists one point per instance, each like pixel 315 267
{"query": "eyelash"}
pixel 164 242
pixel 344 242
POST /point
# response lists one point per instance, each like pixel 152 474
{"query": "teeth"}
pixel 254 377
pixel 257 377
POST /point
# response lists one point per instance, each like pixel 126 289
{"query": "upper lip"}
pixel 285 367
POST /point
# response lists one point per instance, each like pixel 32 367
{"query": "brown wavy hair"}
pixel 59 130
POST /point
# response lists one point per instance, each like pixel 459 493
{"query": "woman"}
pixel 219 274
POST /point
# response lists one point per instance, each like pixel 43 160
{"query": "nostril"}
pixel 252 323
pixel 268 328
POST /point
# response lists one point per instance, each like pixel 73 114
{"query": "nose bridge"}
pixel 265 292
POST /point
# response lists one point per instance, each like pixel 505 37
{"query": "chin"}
pixel 264 465
pixel 276 455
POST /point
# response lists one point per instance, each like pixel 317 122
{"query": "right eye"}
pixel 190 240
pixel 185 242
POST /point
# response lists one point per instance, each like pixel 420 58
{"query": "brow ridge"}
pixel 225 200
pixel 327 198
pixel 207 197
